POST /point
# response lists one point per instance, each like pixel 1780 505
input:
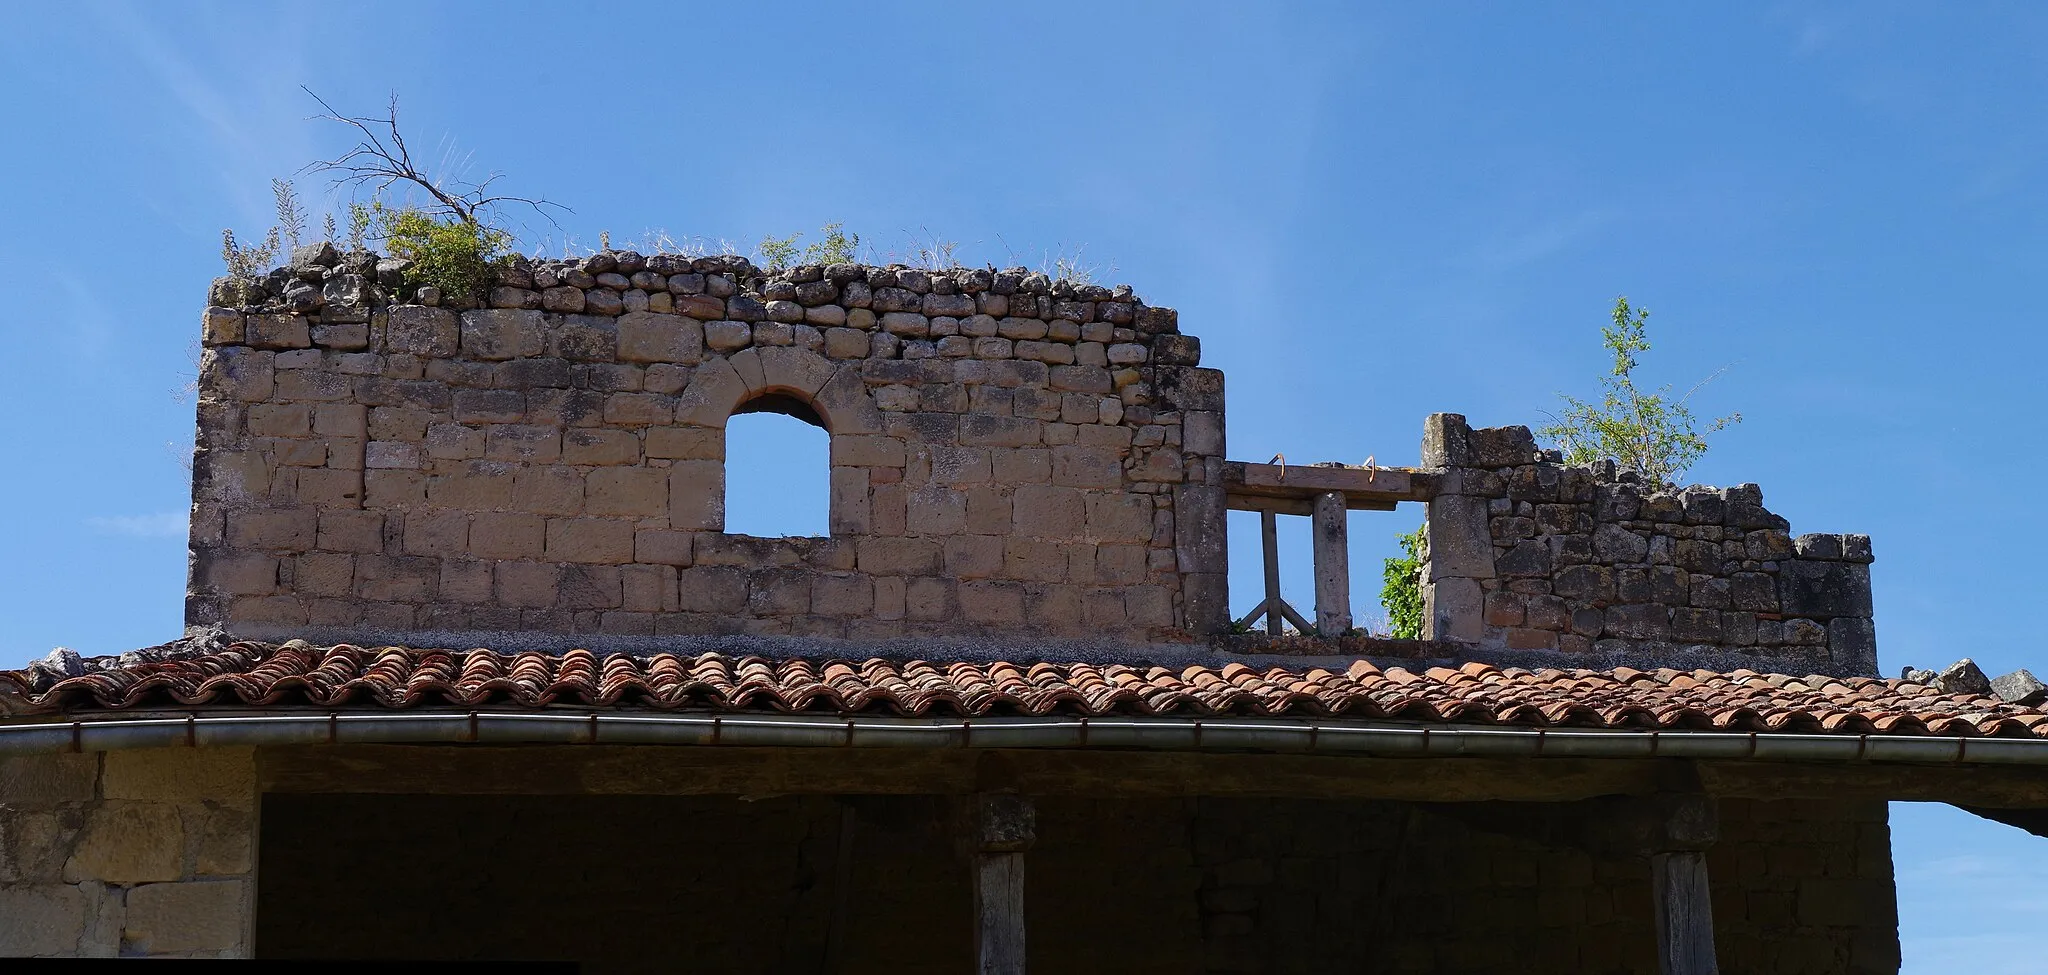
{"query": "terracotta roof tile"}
pixel 297 674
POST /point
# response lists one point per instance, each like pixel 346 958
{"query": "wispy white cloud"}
pixel 239 97
pixel 1530 244
pixel 168 524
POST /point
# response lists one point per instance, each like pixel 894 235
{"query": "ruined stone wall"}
pixel 1009 455
pixel 147 853
pixel 1580 564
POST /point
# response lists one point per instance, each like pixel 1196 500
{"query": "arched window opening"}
pixel 778 469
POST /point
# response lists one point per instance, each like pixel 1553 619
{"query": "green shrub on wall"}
pixel 452 255
pixel 1401 591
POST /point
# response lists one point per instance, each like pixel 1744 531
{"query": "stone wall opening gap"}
pixel 778 469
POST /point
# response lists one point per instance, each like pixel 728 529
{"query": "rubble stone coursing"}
pixel 1527 554
pixel 1008 453
pixel 147 853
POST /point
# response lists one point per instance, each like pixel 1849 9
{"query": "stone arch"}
pixel 800 382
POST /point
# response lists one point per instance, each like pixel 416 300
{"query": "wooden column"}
pixel 1333 564
pixel 1675 828
pixel 1685 918
pixel 1004 826
pixel 1269 540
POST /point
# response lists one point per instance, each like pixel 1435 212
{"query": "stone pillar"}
pixel 1004 827
pixel 1333 564
pixel 1460 541
pixel 1201 548
pixel 144 853
pixel 1672 829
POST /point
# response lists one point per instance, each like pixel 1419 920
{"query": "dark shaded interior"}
pixel 877 884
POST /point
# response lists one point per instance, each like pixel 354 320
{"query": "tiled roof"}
pixel 297 674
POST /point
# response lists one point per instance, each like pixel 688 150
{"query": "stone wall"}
pixel 1127 886
pixel 1008 455
pixel 147 853
pixel 1581 564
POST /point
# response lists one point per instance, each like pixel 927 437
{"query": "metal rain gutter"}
pixel 1223 733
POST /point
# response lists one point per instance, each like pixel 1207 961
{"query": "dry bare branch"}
pixel 381 158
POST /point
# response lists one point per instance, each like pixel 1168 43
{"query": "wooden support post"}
pixel 1333 565
pixel 1269 536
pixel 1685 918
pixel 1004 826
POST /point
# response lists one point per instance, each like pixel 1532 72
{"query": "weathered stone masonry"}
pixel 131 853
pixel 1011 458
pixel 1007 454
pixel 1526 554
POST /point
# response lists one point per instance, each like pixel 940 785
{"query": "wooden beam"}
pixel 1362 487
pixel 1294 506
pixel 1995 787
pixel 1685 916
pixel 1331 541
pixel 751 770
pixel 1269 540
pixel 2034 821
pixel 760 771
pixel 1004 826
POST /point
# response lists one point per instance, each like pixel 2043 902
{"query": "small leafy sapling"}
pixel 1645 431
pixel 833 246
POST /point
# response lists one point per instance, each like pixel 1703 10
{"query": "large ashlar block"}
pixel 224 775
pixel 129 842
pixel 43 920
pixel 197 916
pixel 41 781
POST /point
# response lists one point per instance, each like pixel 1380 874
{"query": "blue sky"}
pixel 1368 212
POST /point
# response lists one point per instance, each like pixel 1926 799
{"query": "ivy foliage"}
pixel 1648 432
pixel 1401 589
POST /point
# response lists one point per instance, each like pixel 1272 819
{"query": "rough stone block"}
pixel 697 495
pixel 999 431
pixel 129 842
pixel 421 331
pixel 1638 622
pixel 1452 610
pixel 502 333
pixel 631 491
pixel 279 332
pixel 40 781
pixel 237 373
pixel 987 602
pixel 2019 687
pixel 43 920
pixel 649 588
pixel 223 839
pixel 195 916
pixel 507 535
pixel 598 448
pixel 1460 541
pixel 598 541
pixel 289 530
pixel 1824 589
pixel 711 589
pixel 1048 511
pixel 1852 647
pixel 527 584
pixel 898 556
pixel 650 337
pixel 350 531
